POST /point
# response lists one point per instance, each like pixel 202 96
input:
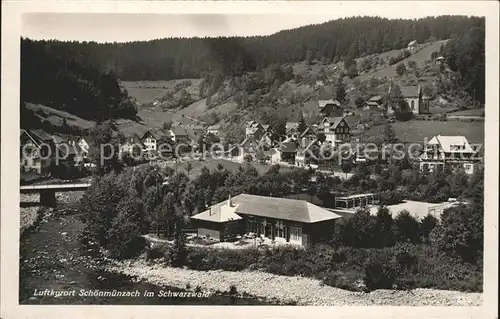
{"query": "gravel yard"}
pixel 303 291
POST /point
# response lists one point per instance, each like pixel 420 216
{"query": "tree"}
pixel 178 253
pixel 167 125
pixel 321 137
pixel 302 125
pixel 359 101
pixel 406 228
pixel 412 64
pixel 311 191
pixel 460 233
pixel 340 91
pixel 352 71
pixel 465 54
pixel 389 134
pixel 125 235
pixel 383 227
pixel 426 226
pixel 358 231
pixel 346 167
pixel 401 69
pixel 189 167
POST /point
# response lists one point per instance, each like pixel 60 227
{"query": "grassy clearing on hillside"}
pixel 419 57
pixel 152 117
pixel 148 91
pixel 416 131
pixel 56 117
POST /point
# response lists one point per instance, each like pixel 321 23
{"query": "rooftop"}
pixel 334 120
pixel 410 91
pixel 323 103
pixel 178 130
pixel 356 196
pixel 273 207
pixel 447 143
pixel 288 147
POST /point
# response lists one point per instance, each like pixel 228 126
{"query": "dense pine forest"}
pixel 332 41
pixel 56 76
pixel 82 78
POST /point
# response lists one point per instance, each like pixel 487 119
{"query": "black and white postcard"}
pixel 304 156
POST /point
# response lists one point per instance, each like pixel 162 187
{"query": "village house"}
pixel 287 151
pixel 330 107
pixel 375 102
pixel 307 152
pixel 336 130
pixel 412 46
pixel 414 97
pixel 284 221
pixel 455 151
pixel 197 129
pixel 37 151
pixel 254 129
pixel 178 134
pixel 310 134
pixel 248 147
pixel 150 140
pixel 291 129
pixel 214 129
pixel 131 146
pixel 84 145
pixel 440 60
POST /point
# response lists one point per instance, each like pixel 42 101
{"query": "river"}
pixel 51 259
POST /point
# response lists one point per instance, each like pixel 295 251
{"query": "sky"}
pixel 124 27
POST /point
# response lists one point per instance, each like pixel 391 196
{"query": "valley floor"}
pixel 302 291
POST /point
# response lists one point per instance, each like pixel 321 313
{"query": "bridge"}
pixel 48 191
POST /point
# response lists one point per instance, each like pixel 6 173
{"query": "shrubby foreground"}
pixel 368 252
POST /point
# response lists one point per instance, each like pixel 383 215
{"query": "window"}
pixel 280 229
pixel 412 105
pixel 296 234
pixel 252 225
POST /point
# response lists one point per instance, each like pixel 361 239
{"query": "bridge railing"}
pixel 54 186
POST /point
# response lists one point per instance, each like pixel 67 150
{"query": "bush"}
pixel 379 276
pixel 403 116
pixel 426 226
pixel 406 228
pixel 195 259
pixel 460 233
pixel 178 255
pixel 406 255
pixel 157 252
pixel 233 290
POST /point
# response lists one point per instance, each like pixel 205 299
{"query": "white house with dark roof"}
pixel 287 221
pixel 336 130
pixel 455 151
pixel 412 46
pixel 37 151
pixel 214 129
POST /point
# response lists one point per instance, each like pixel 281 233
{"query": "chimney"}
pixel 229 204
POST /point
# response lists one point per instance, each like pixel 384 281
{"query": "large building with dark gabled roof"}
pixel 297 222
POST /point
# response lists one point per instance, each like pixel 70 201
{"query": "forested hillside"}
pixel 64 79
pixel 332 41
pixel 270 78
pixel 466 54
